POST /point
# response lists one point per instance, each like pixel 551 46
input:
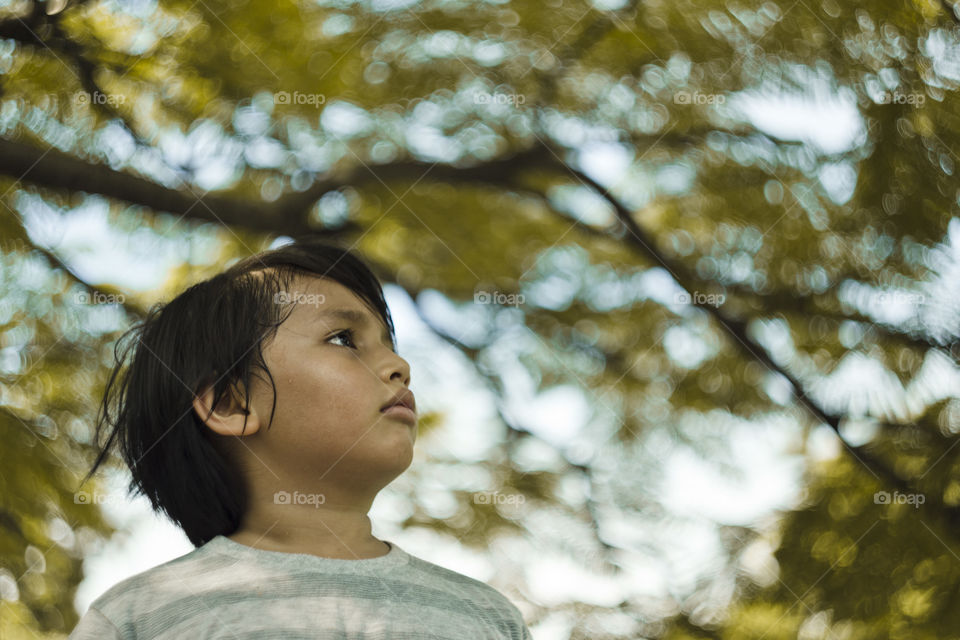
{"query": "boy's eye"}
pixel 349 337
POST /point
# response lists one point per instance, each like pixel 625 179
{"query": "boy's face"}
pixel 332 377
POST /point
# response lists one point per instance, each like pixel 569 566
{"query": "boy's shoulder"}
pixel 488 603
pixel 154 581
pixel 108 613
pixel 458 580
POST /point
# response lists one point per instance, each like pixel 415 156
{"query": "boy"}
pixel 271 476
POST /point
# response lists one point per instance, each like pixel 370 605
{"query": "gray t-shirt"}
pixel 224 589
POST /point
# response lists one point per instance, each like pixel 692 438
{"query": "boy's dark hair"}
pixel 211 334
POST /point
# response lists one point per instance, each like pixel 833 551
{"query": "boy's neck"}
pixel 340 535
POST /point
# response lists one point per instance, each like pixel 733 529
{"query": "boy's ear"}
pixel 229 415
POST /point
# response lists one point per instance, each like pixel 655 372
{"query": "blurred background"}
pixel 678 282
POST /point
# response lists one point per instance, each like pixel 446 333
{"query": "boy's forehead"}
pixel 304 283
pixel 328 292
pixel 320 299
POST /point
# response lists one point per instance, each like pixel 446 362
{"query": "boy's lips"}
pixel 403 406
pixel 404 398
pixel 401 412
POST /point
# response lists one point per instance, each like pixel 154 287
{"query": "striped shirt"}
pixel 224 589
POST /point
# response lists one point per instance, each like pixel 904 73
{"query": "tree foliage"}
pixel 687 265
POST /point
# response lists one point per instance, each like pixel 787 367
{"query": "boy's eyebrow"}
pixel 353 315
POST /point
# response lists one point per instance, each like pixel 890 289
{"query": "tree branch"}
pixel 737 330
pixel 55 262
pixel 57 170
pixel 813 305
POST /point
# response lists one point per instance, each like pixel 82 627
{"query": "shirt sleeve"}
pixel 520 630
pixel 94 626
pixel 526 633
